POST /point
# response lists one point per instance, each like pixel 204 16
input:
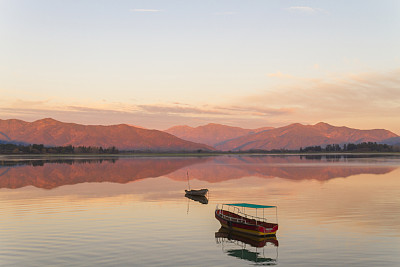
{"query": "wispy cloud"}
pixel 147 115
pixel 347 97
pixel 180 109
pixel 255 110
pixel 305 9
pixel 265 111
pixel 215 111
pixel 144 10
pixel 361 100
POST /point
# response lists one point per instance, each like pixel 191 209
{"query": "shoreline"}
pixel 189 154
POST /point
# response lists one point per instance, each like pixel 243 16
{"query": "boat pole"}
pixel 187 175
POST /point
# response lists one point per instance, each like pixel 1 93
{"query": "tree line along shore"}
pixel 41 149
pixel 365 147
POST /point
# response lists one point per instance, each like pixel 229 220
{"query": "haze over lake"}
pixel 332 210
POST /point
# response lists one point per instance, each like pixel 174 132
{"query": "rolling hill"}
pixel 184 138
pixel 124 137
pixel 212 133
pixel 394 141
pixel 298 135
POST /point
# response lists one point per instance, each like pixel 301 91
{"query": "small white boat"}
pixel 192 192
pixel 200 192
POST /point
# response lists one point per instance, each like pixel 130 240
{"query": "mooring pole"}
pixel 187 175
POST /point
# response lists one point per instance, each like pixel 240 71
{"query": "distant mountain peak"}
pixel 211 133
pixel 323 126
pixel 293 125
pixel 321 123
pixel 47 120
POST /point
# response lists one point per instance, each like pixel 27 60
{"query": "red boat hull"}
pixel 238 223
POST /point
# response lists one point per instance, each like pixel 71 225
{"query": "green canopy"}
pixel 254 206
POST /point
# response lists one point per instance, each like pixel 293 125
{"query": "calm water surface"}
pixel 333 211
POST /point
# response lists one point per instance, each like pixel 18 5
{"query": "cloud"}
pixel 180 109
pixel 216 111
pixel 145 10
pixel 305 9
pixel 348 97
pixel 96 110
pixel 244 110
pixel 360 100
pixel 159 116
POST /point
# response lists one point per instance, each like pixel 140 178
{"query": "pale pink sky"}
pixel 158 64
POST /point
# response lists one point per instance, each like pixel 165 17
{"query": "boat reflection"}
pixel 259 250
pixel 201 199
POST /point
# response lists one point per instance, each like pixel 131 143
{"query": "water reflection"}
pixel 289 167
pixel 201 199
pixel 259 250
pixel 322 219
pixel 52 173
pixel 42 161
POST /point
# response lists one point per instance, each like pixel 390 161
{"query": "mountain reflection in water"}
pixel 52 173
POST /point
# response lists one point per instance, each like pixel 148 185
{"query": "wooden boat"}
pixel 234 219
pixel 200 192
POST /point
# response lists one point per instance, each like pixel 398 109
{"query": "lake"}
pixel 131 211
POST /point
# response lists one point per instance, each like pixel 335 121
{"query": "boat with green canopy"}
pixel 234 217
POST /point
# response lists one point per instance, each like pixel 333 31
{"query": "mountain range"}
pixel 124 137
pixel 185 138
pixel 211 134
pixel 298 135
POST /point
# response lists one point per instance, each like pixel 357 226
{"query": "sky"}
pixel 157 64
